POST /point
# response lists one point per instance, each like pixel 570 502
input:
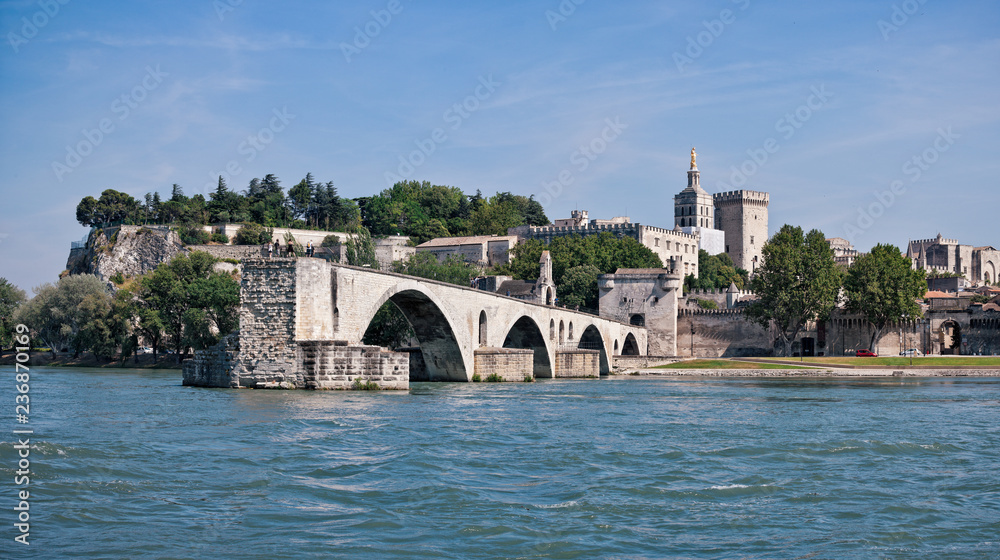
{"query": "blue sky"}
pixel 828 106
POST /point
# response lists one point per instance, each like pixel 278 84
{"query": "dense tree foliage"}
pixel 308 205
pixel 11 297
pixel 453 270
pixel 58 312
pixel 883 286
pixel 192 303
pixel 798 282
pixel 424 211
pixel 417 209
pixel 716 272
pixel 579 287
pixel 605 252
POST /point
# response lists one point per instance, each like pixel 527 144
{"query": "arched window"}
pixel 571 332
pixel 552 329
pixel 562 332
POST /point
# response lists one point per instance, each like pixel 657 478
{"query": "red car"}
pixel 866 354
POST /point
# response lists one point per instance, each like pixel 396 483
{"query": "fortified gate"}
pixel 302 322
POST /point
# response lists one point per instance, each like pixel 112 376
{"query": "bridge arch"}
pixel 524 333
pixel 591 339
pixel 630 347
pixel 440 347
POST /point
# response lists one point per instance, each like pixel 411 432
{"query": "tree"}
pixel 57 312
pixel 453 270
pixel 11 297
pixel 194 304
pixel 361 249
pixel 605 251
pixel 716 272
pixel 798 282
pixel 579 287
pixel 884 287
pixel 113 206
pixel 253 234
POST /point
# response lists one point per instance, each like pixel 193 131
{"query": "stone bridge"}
pixel 296 313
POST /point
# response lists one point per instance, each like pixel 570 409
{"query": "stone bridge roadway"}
pixel 337 302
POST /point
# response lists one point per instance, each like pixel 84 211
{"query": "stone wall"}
pixel 511 364
pixel 267 324
pixel 238 252
pixel 724 333
pixel 214 366
pixel 578 363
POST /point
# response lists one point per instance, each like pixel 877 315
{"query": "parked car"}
pixel 866 354
pixel 910 352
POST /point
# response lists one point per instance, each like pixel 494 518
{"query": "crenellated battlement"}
pixel 742 197
pixel 934 241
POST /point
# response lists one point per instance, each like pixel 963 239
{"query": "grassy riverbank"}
pixel 725 364
pixel 899 361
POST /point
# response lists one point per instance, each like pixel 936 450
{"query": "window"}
pixel 656 242
pixel 727 248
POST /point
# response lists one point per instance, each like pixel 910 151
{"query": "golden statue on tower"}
pixel 693 155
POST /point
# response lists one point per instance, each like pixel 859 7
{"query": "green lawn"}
pixel 725 364
pixel 944 361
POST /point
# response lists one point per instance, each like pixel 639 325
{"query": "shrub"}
pixel 220 238
pixel 359 385
pixel 193 235
pixel 476 378
pixel 494 378
pixel 118 279
pixel 253 234
pixel 707 304
pixel 529 379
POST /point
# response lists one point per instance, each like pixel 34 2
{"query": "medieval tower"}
pixel 743 216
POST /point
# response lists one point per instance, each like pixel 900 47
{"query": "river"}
pixel 130 464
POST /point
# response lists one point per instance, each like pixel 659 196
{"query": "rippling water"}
pixel 130 464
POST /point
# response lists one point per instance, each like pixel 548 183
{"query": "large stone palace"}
pixel 734 223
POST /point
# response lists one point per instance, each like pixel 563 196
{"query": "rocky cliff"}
pixel 129 250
